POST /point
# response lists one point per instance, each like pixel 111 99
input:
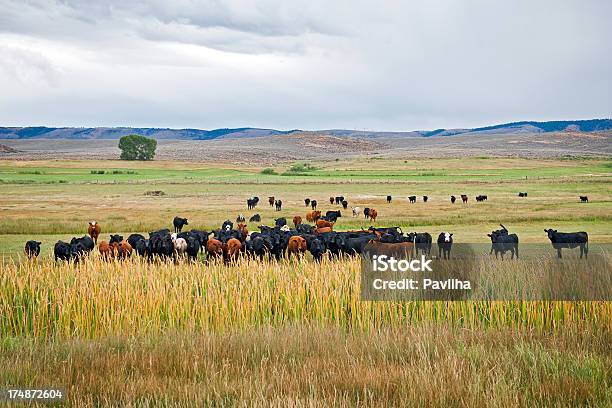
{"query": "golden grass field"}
pixel 294 333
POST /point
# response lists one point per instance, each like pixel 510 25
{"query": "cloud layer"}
pixel 312 65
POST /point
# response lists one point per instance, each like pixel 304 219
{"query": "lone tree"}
pixel 136 147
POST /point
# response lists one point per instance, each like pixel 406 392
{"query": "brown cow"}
pixel 297 220
pixel 332 200
pixel 94 230
pixel 400 249
pixel 105 250
pixel 322 230
pixel 373 214
pixel 122 249
pixel 244 232
pixel 214 248
pixel 231 250
pixel 464 198
pixel 324 224
pixel 271 201
pixel 313 216
pixel 296 246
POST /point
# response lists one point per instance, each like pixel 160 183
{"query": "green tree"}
pixel 137 147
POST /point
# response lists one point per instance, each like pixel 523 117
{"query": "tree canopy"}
pixel 137 147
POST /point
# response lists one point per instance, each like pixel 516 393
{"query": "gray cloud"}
pixel 316 64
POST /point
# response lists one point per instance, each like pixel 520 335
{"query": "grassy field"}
pixel 294 333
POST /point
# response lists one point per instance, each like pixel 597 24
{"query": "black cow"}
pixel 502 242
pixel 62 251
pixel 305 229
pixel 133 239
pixel 316 246
pixel 160 244
pixel 278 204
pixel 389 198
pixel 255 218
pixel 339 199
pixel 522 194
pixel 142 247
pixel 422 242
pixel 251 203
pixel 445 243
pixel 480 198
pixel 115 238
pixel 453 199
pixel 353 244
pixel 307 202
pixel 227 226
pixel 80 247
pixel 332 216
pixel 280 222
pixel 584 199
pixel 412 199
pixel 179 223
pixel 425 198
pixel 240 218
pixel 569 240
pixel 344 204
pixel 464 198
pixel 366 212
pixel 32 249
pixel 313 204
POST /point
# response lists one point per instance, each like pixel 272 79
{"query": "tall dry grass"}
pixel 95 298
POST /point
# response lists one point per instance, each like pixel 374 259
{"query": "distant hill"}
pixel 41 132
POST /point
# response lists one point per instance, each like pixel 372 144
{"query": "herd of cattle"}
pixel 228 243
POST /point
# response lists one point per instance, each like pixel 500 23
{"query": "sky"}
pixel 316 64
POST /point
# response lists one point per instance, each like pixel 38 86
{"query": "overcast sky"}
pixel 377 65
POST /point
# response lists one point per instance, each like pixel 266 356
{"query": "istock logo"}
pixel 385 263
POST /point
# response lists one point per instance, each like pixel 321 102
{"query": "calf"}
pixel 278 204
pixel 584 199
pixel 214 249
pixel 412 199
pixel 180 245
pixel 453 199
pixel 464 198
pixel 255 218
pixel 569 240
pixel 445 243
pixel 32 249
pixel 389 198
pixel 297 220
pixel 231 250
pixel 179 223
pixel 122 250
pixel 106 251
pixel 94 230
pixel 373 214
pixel 313 216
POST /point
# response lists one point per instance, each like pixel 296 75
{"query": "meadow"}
pixel 294 333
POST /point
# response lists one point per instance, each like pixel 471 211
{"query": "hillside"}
pixel 42 132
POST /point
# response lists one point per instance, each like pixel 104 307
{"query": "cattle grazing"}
pixel 271 201
pixel 106 251
pixel 389 198
pixel 313 204
pixel 297 220
pixel 231 250
pixel 356 211
pixel 94 230
pixel 240 218
pixel 115 238
pixel 121 250
pixel 252 203
pixel 80 247
pixel 313 216
pixel 445 243
pixel 179 223
pixel 227 226
pixel 522 194
pixel 296 246
pixel 180 245
pixel 142 247
pixel 32 249
pixel 480 198
pixel 278 204
pixel 453 199
pixel 339 200
pixel 425 198
pixel 569 240
pixel 412 199
pixel 373 214
pixel 324 224
pixel 280 222
pixel 344 204
pixel 307 202
pixel 316 247
pixel 255 218
pixel 422 242
pixel 323 230
pixel 244 232
pixel 333 215
pixel 62 251
pixel 133 239
pixel 584 199
pixel 464 198
pixel 214 249
pixel 502 242
pixel 160 244
pixel 366 212
pixel 398 249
